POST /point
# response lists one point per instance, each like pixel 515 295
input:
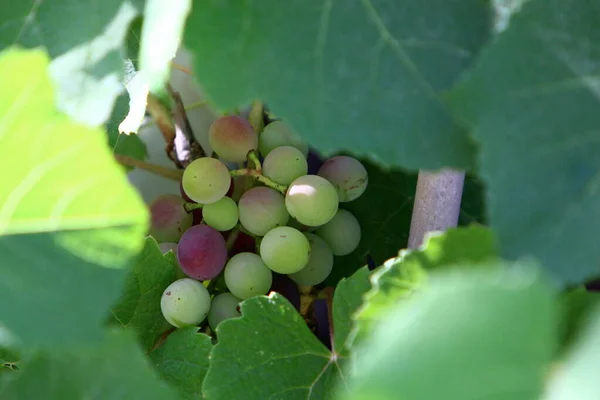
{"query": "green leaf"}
pixel 9 347
pixel 84 39
pixel 577 376
pixel 182 361
pixel 401 277
pixel 539 135
pixel 269 353
pixel 471 334
pixel 139 306
pixel 333 70
pixel 127 145
pixel 58 223
pixel 576 308
pixel 115 369
pixel 384 212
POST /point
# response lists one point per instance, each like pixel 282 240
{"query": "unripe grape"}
pixel 246 275
pixel 342 233
pixel 185 302
pixel 320 263
pixel 206 180
pixel 262 209
pixel 223 306
pixel 285 250
pixel 232 137
pixel 311 200
pixel 284 164
pixel 168 218
pixel 348 176
pixel 277 134
pixel 221 215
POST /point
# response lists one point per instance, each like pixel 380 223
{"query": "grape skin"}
pixel 202 252
pixel 185 302
pixel 311 200
pixel 206 180
pixel 262 209
pixel 232 137
pixel 284 164
pixel 320 263
pixel 348 176
pixel 285 250
pixel 342 233
pixel 165 247
pixel 221 215
pixel 277 134
pixel 223 306
pixel 168 218
pixel 246 275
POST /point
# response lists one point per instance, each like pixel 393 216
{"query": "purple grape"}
pixel 314 161
pixel 283 285
pixel 168 218
pixel 202 252
pixel 321 315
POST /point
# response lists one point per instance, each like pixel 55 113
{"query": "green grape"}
pixel 232 137
pixel 221 215
pixel 285 250
pixel 302 228
pixel 342 233
pixel 262 209
pixel 246 275
pixel 348 176
pixel 284 164
pixel 311 200
pixel 185 302
pixel 320 263
pixel 277 134
pixel 206 180
pixel 223 306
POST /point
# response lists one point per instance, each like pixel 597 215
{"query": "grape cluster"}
pixel 282 221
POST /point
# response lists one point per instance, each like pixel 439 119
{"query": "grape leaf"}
pixel 539 135
pixel 139 306
pixel 182 361
pixel 576 306
pixel 384 212
pixel 401 277
pixel 58 224
pixel 127 145
pixel 113 369
pixel 577 376
pixel 471 334
pixel 333 70
pixel 84 39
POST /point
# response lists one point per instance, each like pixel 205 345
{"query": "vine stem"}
pixel 189 207
pixel 437 203
pixel 259 177
pixel 165 172
pixel 253 158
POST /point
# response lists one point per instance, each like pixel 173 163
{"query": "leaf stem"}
pixel 189 207
pixel 259 177
pixel 165 172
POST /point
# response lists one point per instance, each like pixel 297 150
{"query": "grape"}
pixel 222 307
pixel 283 285
pixel 246 275
pixel 342 233
pixel 201 252
pixel 243 243
pixel 206 180
pixel 262 209
pixel 185 302
pixel 232 137
pixel 168 218
pixel 285 250
pixel 166 246
pixel 320 263
pixel 348 176
pixel 277 134
pixel 311 200
pixel 221 215
pixel 321 316
pixel 314 161
pixel 284 164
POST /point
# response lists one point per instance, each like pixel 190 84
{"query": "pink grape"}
pixel 202 252
pixel 168 218
pixel 262 209
pixel 232 137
